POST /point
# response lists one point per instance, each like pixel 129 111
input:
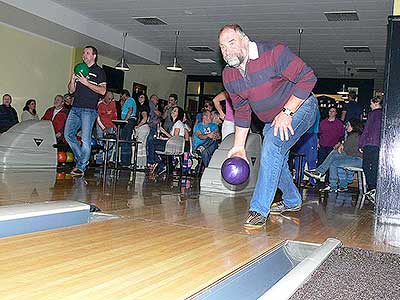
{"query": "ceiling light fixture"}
pixel 301 30
pixel 344 91
pixel 175 67
pixel 122 65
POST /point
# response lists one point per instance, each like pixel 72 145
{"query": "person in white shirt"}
pixel 178 129
pixel 29 111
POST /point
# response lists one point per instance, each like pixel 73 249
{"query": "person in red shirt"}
pixel 331 131
pixel 107 112
pixel 57 114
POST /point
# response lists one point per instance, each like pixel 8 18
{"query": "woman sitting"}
pixel 29 111
pixel 178 129
pixel 344 155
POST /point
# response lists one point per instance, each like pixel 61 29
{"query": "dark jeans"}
pixel 370 165
pixel 209 148
pixel 153 157
pixel 306 145
pixel 150 139
pixel 126 148
pixel 323 153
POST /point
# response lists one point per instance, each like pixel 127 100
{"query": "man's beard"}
pixel 235 61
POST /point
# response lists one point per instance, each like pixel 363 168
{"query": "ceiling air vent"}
pixel 366 70
pixel 356 49
pixel 205 60
pixel 201 48
pixel 341 16
pixel 149 20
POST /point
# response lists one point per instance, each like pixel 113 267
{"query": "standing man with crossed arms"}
pixel 83 114
pixel 268 79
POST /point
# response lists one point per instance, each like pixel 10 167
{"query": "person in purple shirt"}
pixel 331 131
pixel 369 143
pixel 266 78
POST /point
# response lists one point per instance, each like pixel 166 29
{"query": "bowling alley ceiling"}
pixel 102 22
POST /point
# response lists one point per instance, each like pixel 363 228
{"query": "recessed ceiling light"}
pixel 188 12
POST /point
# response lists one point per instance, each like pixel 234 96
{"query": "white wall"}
pixel 32 67
pixel 36 67
pixel 158 80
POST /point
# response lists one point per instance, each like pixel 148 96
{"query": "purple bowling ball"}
pixel 235 170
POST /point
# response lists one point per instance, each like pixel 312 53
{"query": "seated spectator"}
pixel 369 144
pixel 107 112
pixel 178 129
pixel 128 113
pixel 344 155
pixel 330 132
pixel 208 105
pixel 29 111
pixel 143 109
pixel 8 115
pixel 68 100
pixel 228 125
pixel 215 118
pixel 57 115
pixel 205 137
pixel 166 116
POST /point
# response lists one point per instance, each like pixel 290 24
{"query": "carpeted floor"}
pixel 350 273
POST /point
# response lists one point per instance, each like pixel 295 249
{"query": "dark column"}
pixel 388 189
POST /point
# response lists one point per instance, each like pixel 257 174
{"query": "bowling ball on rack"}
pixel 70 157
pixel 235 170
pixel 61 157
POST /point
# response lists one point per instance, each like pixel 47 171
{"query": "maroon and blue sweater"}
pixel 269 82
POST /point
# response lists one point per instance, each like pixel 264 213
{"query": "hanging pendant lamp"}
pixel 122 65
pixel 344 91
pixel 301 30
pixel 175 67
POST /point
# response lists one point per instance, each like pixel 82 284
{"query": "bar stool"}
pixel 361 180
pixel 299 170
pixel 118 141
pixel 118 124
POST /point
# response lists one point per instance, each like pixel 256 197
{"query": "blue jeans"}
pixel 274 170
pixel 336 170
pixel 84 119
pixel 335 162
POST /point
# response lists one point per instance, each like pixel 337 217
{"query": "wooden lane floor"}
pixel 170 242
pixel 121 259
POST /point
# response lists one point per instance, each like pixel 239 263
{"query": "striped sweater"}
pixel 270 80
